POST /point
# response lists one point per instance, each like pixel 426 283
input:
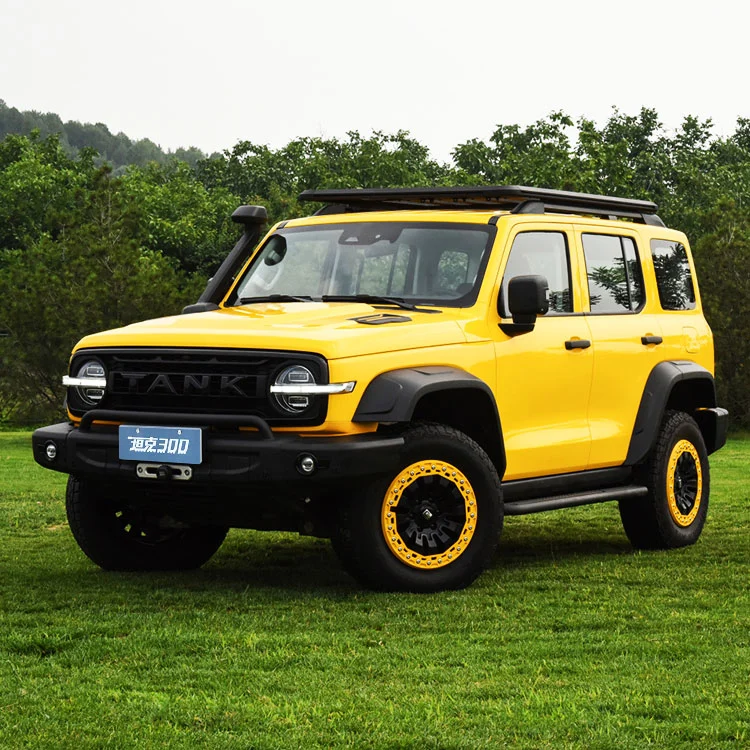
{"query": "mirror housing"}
pixel 528 296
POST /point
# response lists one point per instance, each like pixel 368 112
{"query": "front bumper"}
pixel 230 457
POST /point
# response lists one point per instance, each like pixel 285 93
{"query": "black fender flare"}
pixel 393 396
pixel 656 394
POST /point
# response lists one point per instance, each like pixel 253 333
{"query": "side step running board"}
pixel 522 507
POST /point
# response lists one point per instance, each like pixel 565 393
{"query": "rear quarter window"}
pixel 673 276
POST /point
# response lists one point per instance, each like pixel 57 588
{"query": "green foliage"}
pixel 258 174
pixel 722 257
pixel 37 182
pixel 91 274
pixel 182 218
pixel 542 151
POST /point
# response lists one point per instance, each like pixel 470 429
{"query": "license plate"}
pixel 178 445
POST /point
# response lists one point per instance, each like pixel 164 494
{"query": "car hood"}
pixel 332 329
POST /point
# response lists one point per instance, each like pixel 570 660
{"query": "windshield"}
pixel 423 262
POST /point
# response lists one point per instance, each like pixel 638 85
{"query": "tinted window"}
pixel 673 277
pixel 614 274
pixel 545 254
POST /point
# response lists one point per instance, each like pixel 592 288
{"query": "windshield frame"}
pixel 466 300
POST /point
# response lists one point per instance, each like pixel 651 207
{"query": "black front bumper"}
pixel 230 457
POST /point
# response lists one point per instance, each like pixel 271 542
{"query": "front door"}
pixel 544 376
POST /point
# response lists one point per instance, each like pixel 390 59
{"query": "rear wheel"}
pixel 677 476
pixel 432 525
pixel 119 535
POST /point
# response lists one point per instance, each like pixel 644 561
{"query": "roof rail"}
pixel 514 198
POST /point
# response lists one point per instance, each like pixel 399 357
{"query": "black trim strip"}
pixel 524 507
pixel 558 484
pixel 176 420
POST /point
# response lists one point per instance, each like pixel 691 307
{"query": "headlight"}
pixel 284 395
pixel 89 382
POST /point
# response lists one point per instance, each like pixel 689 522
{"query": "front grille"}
pixel 200 381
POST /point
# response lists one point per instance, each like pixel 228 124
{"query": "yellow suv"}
pixel 398 372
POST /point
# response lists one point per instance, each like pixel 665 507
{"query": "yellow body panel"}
pixel 561 410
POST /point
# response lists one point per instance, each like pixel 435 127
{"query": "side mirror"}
pixel 528 296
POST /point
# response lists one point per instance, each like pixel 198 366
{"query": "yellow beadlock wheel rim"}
pixel 429 514
pixel 684 483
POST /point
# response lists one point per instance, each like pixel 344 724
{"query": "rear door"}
pixel 626 336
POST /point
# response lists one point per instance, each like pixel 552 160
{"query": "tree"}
pixel 95 274
pixel 722 257
pixel 37 183
pixel 115 149
pixel 181 218
pixel 258 174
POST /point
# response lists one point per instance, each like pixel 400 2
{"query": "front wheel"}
pixel 432 525
pixel 676 474
pixel 118 535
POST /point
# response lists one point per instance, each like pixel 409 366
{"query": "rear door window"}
pixel 614 274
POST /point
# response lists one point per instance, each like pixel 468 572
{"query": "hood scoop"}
pixel 380 319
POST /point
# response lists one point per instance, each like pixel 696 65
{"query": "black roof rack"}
pixel 514 198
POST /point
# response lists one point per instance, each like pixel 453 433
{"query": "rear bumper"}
pixel 713 424
pixel 229 457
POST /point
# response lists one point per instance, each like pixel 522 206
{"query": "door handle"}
pixel 646 340
pixel 577 344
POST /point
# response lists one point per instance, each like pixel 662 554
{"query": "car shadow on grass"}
pixel 560 537
pixel 543 551
pixel 286 566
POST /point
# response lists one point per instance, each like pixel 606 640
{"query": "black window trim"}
pixel 634 238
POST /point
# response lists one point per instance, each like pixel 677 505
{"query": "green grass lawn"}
pixel 570 640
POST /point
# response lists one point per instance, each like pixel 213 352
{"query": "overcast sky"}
pixel 213 72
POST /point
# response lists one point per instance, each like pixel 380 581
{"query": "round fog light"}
pixel 51 451
pixel 306 464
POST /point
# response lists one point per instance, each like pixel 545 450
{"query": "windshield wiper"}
pixel 274 298
pixel 377 300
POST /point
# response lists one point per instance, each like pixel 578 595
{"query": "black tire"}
pixel 677 475
pixel 446 478
pixel 119 536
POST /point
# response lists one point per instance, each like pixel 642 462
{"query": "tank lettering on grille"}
pixel 161 384
pixel 229 385
pixel 243 386
pixel 196 383
pixel 132 379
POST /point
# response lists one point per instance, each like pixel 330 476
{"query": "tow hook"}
pixel 164 472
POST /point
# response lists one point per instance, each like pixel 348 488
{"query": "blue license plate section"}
pixel 177 445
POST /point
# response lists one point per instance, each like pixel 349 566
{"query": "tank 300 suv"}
pixel 398 372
